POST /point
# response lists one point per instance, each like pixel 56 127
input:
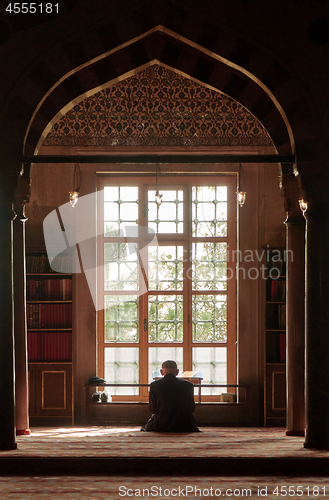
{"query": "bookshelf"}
pixel 49 301
pixel 275 339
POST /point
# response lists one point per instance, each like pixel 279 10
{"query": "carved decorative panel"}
pixel 158 107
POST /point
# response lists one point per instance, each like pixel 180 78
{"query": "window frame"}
pixel 185 182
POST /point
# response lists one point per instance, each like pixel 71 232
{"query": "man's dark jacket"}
pixel 171 401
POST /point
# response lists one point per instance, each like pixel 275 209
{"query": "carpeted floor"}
pixel 90 488
pixel 113 463
pixel 131 442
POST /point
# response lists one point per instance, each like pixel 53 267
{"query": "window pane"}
pixel 122 367
pixel 165 318
pixel 111 193
pixel 121 318
pixel 120 266
pixel 157 355
pixel 111 211
pixel 211 362
pixel 209 262
pixel 209 211
pixel 165 268
pixel 128 194
pixel 120 209
pixel 209 318
pixel 168 217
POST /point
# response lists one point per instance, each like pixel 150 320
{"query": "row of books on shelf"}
pixel 276 265
pixel 276 316
pixel 276 290
pixel 49 289
pixel 39 263
pixel 49 315
pixel 49 346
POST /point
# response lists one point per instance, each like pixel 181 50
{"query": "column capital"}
pixel 6 209
pixel 295 220
pixel 291 192
pixel 315 189
pixel 320 214
pixel 22 196
pixel 8 185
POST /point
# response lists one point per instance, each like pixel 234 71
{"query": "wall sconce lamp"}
pixel 302 205
pixel 240 194
pixel 241 197
pixel 158 196
pixel 74 193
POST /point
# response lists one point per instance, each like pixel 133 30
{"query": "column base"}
pixel 295 433
pixel 8 446
pixel 317 446
pixel 23 432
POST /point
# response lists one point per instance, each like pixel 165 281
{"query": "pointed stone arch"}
pixel 166 47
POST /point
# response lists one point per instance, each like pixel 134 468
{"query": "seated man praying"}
pixel 171 401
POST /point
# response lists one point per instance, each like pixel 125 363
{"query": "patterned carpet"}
pixel 99 488
pixel 130 442
pixel 180 462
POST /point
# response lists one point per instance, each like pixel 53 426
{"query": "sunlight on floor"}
pixel 80 431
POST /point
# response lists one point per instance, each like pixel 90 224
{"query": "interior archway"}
pixel 167 48
pixel 105 121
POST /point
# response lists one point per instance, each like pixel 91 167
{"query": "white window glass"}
pixel 209 262
pixel 165 267
pixel 209 318
pixel 168 217
pixel 209 211
pixel 120 209
pixel 211 362
pixel 122 367
pixel 120 266
pixel 165 318
pixel 121 318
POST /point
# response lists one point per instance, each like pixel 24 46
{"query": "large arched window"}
pixel 166 279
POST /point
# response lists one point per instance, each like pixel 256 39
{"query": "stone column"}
pixel 315 180
pixel 295 420
pixel 21 371
pixel 295 314
pixel 317 323
pixel 7 406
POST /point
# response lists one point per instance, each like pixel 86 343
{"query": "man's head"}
pixel 169 366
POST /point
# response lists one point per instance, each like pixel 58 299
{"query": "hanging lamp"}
pixel 75 192
pixel 240 194
pixel 158 196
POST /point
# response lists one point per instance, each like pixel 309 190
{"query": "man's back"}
pixel 172 403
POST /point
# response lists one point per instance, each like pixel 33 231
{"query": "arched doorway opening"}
pixel 158 108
